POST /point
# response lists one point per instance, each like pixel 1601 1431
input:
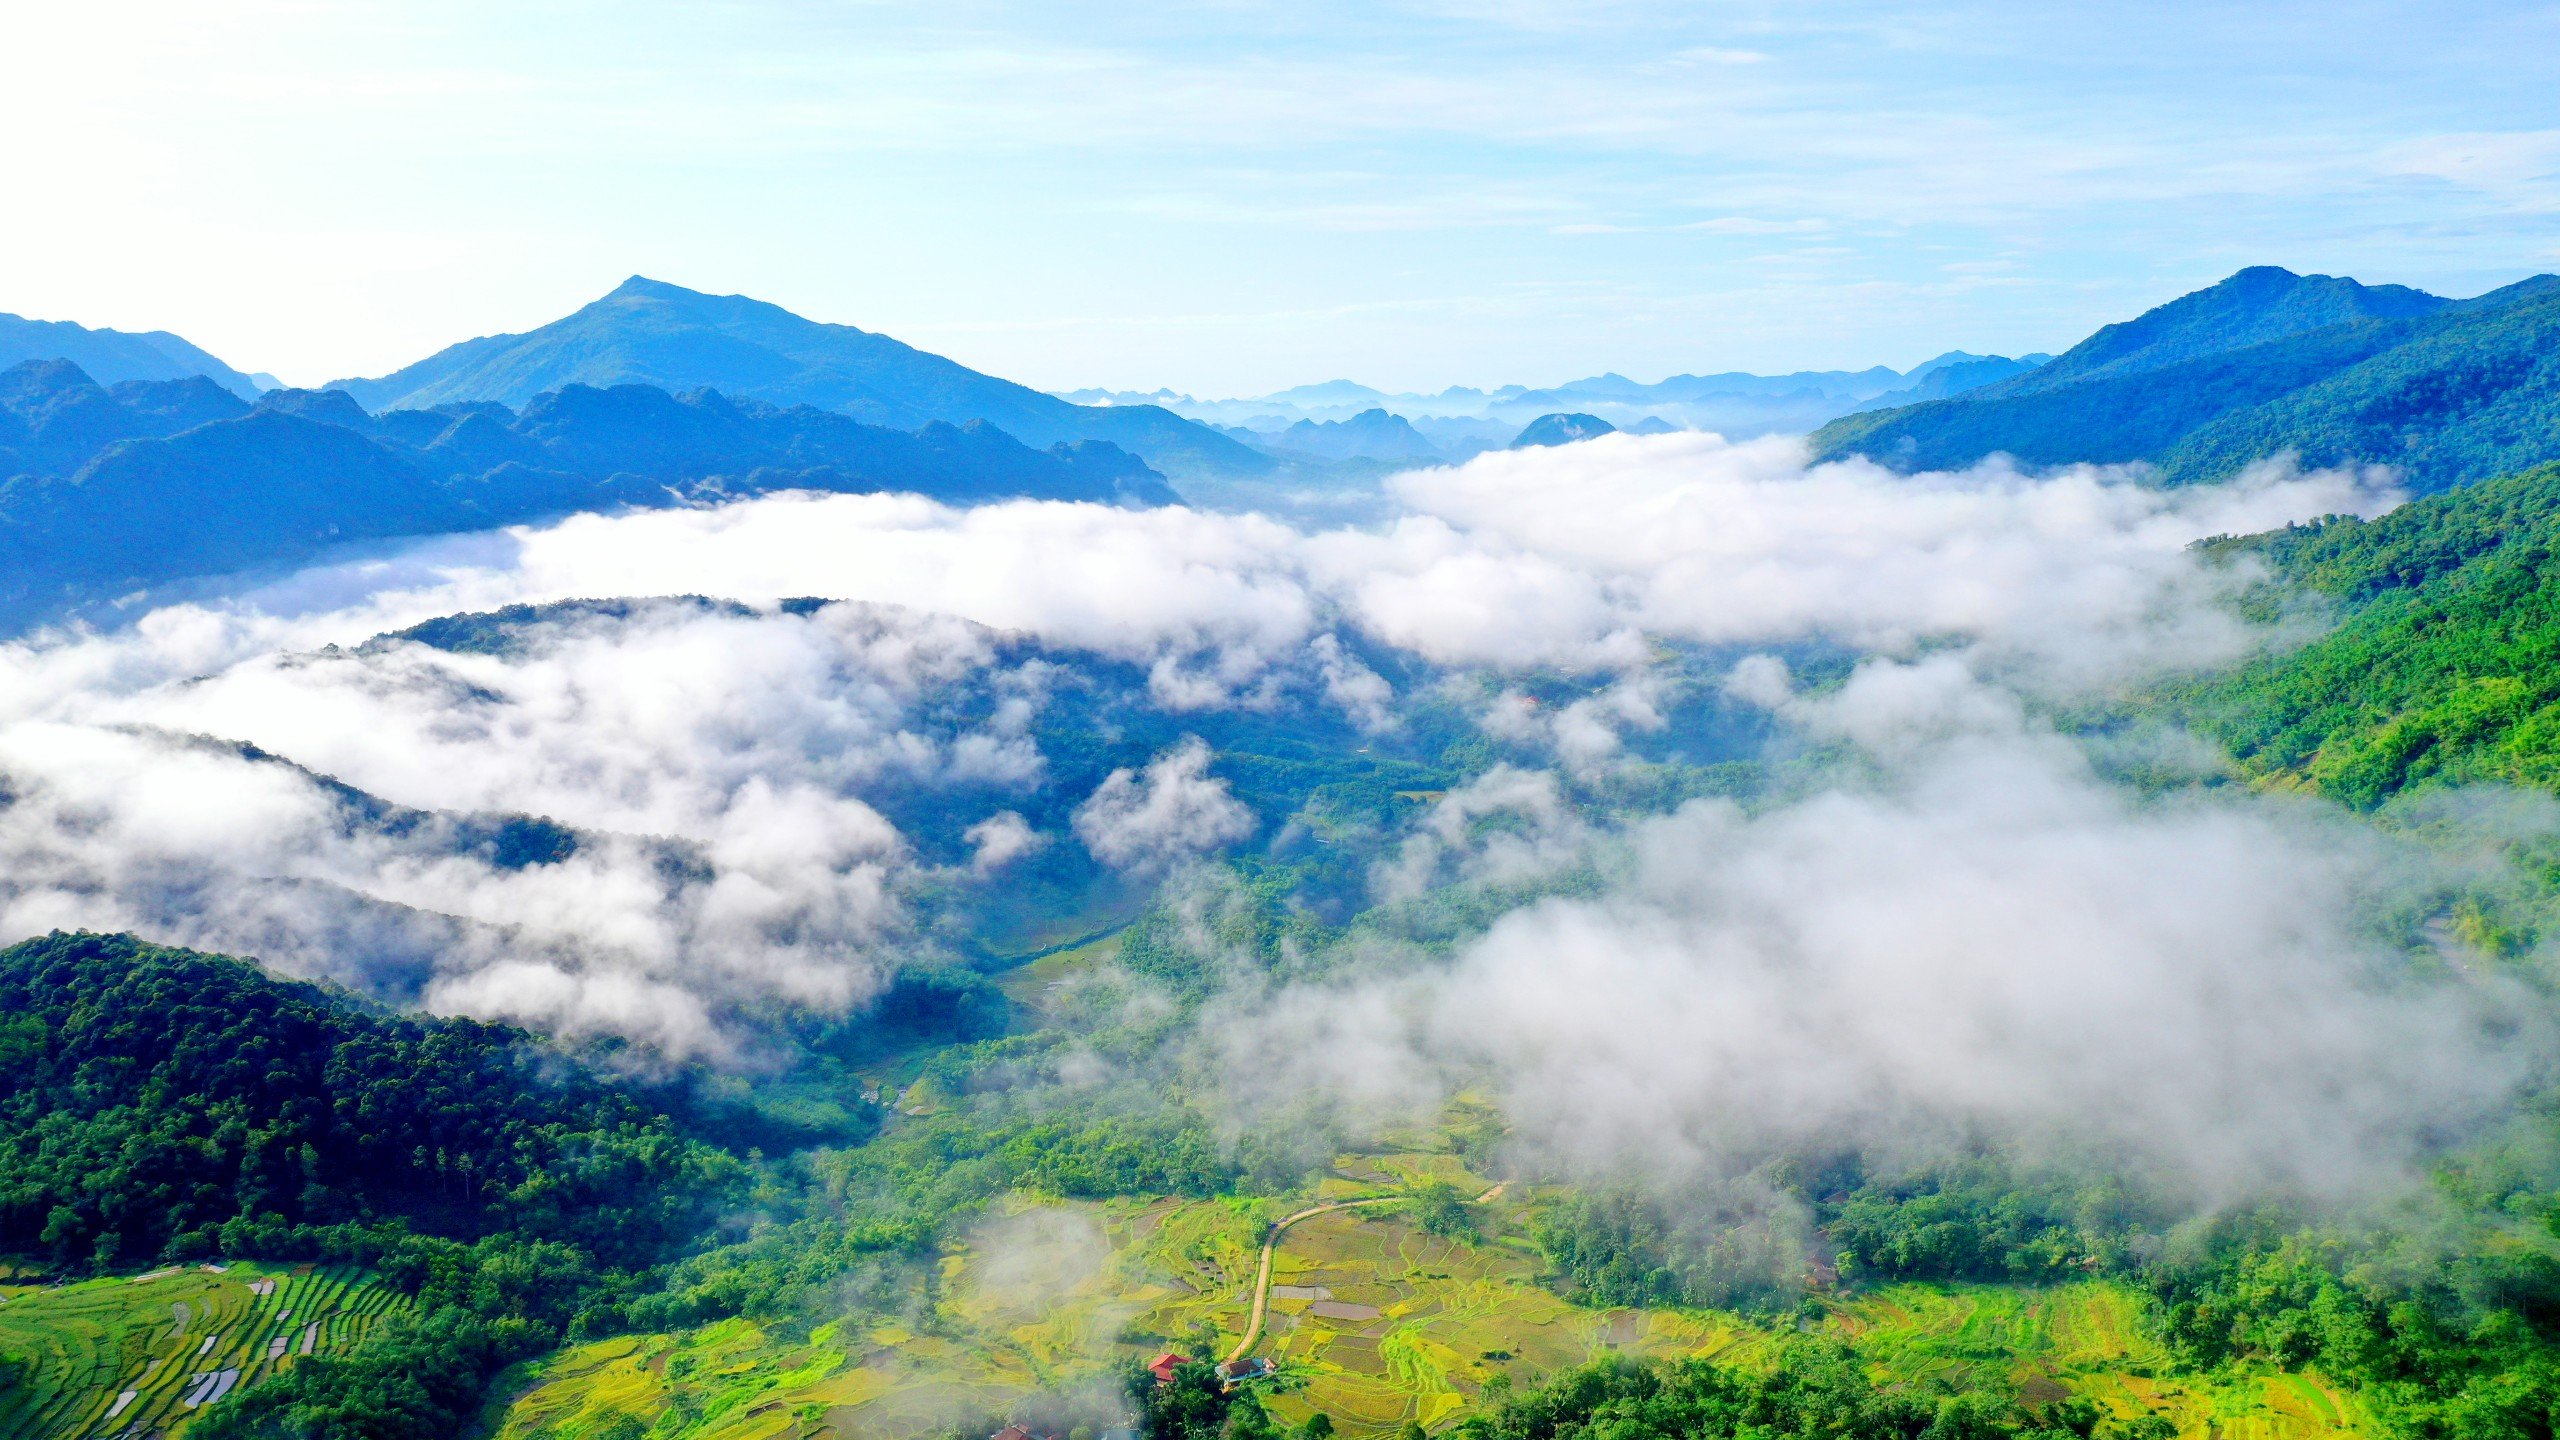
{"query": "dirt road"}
pixel 1271 1244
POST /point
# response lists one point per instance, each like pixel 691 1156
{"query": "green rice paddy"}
pixel 2082 1340
pixel 1372 1321
pixel 145 1355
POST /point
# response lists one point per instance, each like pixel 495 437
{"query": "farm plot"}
pixel 1371 1319
pixel 2083 1340
pixel 1376 1322
pixel 144 1355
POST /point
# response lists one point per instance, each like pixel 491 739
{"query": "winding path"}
pixel 1271 1244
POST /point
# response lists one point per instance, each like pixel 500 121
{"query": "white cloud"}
pixel 750 743
pixel 1503 826
pixel 1567 556
pixel 715 763
pixel 2519 168
pixel 1743 543
pixel 1001 839
pixel 1148 822
pixel 1989 941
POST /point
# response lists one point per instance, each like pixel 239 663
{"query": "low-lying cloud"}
pixel 1747 976
pixel 1981 940
pixel 1148 822
pixel 1570 556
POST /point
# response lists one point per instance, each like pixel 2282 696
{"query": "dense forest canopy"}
pixel 2443 664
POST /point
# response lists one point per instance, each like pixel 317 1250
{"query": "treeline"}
pixel 2463 1352
pixel 1964 1218
pixel 1814 1390
pixel 871 1218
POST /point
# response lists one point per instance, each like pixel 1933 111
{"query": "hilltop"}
pixel 2263 364
pixel 648 332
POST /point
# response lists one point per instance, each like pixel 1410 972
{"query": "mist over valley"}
pixel 958 846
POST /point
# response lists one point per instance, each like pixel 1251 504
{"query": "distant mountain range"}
pixel 1461 421
pixel 151 481
pixel 114 356
pixel 1373 434
pixel 648 332
pixel 140 458
pixel 2267 362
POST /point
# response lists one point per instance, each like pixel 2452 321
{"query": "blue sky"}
pixel 1232 197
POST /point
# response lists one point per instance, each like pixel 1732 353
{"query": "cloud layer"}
pixel 1984 939
pixel 721 765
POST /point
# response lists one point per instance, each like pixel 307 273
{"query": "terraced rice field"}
pixel 1408 1326
pixel 2082 1340
pixel 1376 1322
pixel 144 1355
pixel 1372 1321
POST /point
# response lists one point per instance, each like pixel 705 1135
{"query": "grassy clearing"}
pixel 1372 1321
pixel 122 1356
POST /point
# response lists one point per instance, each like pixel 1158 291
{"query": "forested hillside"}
pixel 165 1104
pixel 162 1105
pixel 2266 363
pixel 2444 663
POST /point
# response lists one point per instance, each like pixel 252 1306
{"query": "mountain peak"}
pixel 2250 307
pixel 650 332
pixel 641 286
pixel 56 376
pixel 1562 428
pixel 329 407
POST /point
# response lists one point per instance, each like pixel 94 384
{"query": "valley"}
pixel 921 832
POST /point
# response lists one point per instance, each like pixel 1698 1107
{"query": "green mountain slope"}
pixel 2464 396
pixel 651 333
pixel 2257 305
pixel 164 1103
pixel 160 1104
pixel 2451 391
pixel 2446 664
